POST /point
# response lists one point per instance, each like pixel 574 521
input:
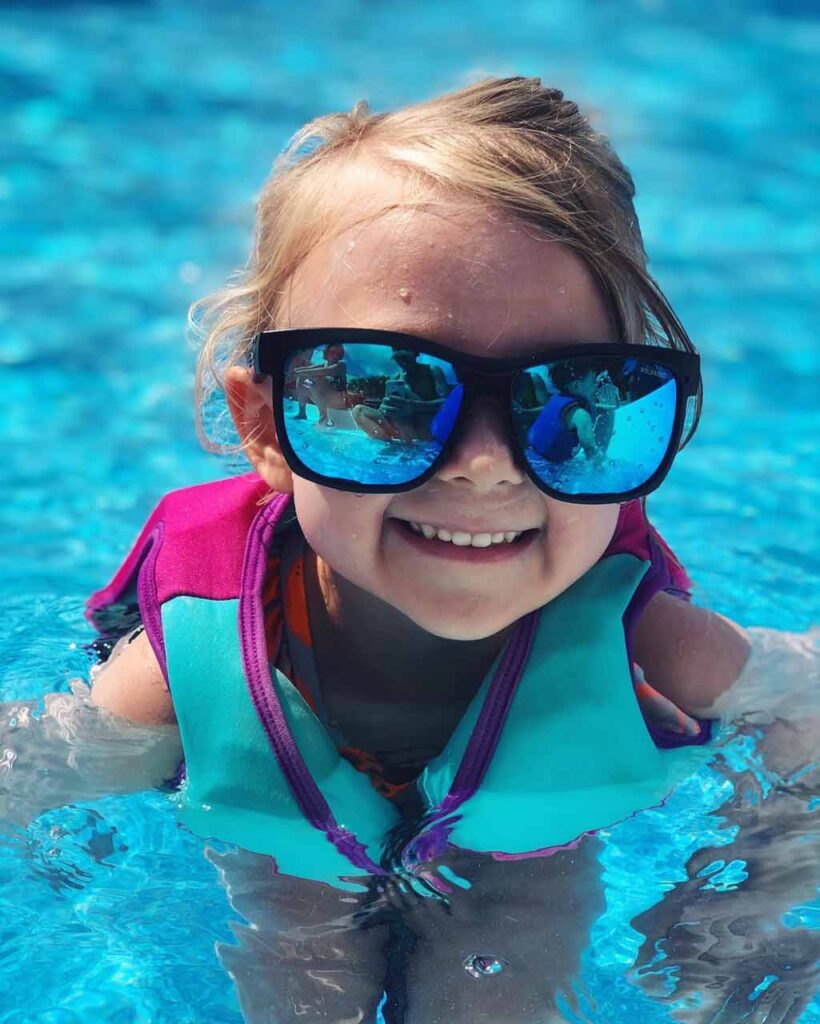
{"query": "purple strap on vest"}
pixel 481 745
pixel 659 577
pixel 493 715
pixel 265 698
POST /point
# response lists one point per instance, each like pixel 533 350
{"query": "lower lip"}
pixel 468 553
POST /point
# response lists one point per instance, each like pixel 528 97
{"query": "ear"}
pixel 250 405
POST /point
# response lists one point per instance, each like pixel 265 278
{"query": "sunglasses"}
pixel 377 411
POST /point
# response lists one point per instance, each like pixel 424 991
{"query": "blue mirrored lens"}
pixel 595 425
pixel 369 414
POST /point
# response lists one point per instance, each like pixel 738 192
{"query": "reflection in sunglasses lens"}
pixel 595 425
pixel 368 414
pixel 378 415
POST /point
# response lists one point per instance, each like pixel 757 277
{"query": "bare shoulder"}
pixel 689 653
pixel 131 684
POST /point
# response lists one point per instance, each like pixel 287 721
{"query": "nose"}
pixel 482 455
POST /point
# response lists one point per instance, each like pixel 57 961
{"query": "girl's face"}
pixel 482 284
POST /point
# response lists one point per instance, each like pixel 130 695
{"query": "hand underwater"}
pixel 660 709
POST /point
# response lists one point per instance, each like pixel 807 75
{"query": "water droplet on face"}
pixel 483 965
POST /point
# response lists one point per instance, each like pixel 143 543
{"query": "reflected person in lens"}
pixel 412 396
pixel 323 384
pixel 577 417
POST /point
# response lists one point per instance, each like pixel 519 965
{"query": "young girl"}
pixel 381 648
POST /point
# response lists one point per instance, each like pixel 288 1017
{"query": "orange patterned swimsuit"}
pixel 290 649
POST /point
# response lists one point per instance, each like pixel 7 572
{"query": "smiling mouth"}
pixel 463 539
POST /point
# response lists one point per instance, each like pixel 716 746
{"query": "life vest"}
pixel 549 435
pixel 553 745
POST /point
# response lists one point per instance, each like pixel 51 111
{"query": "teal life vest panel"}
pixel 552 746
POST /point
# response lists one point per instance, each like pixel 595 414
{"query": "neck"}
pixel 377 651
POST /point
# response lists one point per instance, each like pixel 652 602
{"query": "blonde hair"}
pixel 510 143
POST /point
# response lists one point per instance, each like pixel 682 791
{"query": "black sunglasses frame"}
pixel 480 375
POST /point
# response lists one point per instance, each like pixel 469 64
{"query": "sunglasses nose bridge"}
pixel 492 385
pixel 497 387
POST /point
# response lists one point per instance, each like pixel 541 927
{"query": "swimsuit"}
pixel 552 746
pixel 290 649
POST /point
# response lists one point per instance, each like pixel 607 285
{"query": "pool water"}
pixel 134 137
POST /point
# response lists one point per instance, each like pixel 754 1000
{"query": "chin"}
pixel 471 623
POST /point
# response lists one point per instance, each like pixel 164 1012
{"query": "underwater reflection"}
pixel 470 939
pixel 717 948
pixel 734 941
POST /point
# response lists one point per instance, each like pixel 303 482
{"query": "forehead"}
pixel 454 272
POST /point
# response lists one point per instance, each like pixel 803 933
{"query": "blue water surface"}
pixel 133 139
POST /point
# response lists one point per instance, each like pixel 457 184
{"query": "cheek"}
pixel 579 534
pixel 342 529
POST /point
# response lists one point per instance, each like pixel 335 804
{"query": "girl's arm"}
pixel 689 654
pixel 581 422
pixel 131 684
pixel 83 746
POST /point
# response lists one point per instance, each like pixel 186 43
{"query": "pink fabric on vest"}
pixel 632 537
pixel 203 525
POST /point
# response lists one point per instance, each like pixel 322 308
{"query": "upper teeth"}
pixel 463 539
